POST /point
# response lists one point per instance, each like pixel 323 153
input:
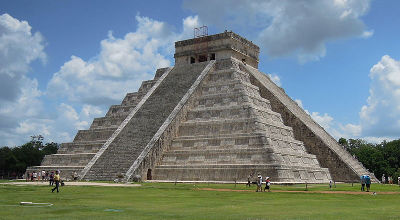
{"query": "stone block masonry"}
pixel 140 129
pixel 229 131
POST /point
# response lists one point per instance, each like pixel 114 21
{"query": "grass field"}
pixel 187 201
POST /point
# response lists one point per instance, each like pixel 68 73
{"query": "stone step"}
pixel 94 135
pixel 283 145
pixel 244 151
pixel 238 156
pixel 237 111
pixel 80 159
pixel 236 172
pixel 225 140
pixel 120 110
pixel 76 147
pixel 233 126
pixel 233 143
pixel 160 72
pixel 231 99
pixel 229 87
pixel 267 114
pixel 227 75
pixel 131 98
pixel 107 122
pixel 146 85
pixel 233 82
pixel 217 127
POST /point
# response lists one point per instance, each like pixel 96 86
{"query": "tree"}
pixel 17 159
pixel 383 158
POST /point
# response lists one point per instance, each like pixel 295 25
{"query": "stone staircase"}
pixel 134 133
pixel 231 132
pixel 74 156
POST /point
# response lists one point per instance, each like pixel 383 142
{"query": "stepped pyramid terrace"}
pixel 212 117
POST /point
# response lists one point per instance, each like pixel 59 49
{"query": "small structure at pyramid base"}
pixel 212 117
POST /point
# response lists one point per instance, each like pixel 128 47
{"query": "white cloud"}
pixel 121 66
pixel 18 48
pixel 324 120
pixel 367 34
pixel 381 115
pixel 299 103
pixel 285 27
pixel 350 130
pixel 20 102
pixel 275 78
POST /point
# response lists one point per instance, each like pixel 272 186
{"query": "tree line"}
pixel 15 160
pixel 382 158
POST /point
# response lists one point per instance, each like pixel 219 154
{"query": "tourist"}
pixel 267 184
pixel 51 178
pixel 34 176
pixel 248 180
pixel 367 182
pixel 57 181
pixel 43 175
pixel 259 183
pixel 362 179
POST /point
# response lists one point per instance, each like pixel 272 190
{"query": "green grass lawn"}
pixel 185 201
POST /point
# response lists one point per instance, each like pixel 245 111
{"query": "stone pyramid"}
pixel 211 117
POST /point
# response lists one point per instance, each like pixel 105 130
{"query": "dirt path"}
pixel 38 183
pixel 323 192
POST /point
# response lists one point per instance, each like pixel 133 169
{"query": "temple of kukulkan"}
pixel 212 117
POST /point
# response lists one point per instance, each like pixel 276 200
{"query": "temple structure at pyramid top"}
pixel 217 47
pixel 212 117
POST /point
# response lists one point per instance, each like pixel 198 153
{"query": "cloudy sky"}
pixel 64 62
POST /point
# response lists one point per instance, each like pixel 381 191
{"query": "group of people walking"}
pixel 38 176
pixel 53 178
pixel 260 182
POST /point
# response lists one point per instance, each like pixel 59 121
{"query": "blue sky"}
pixel 62 63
